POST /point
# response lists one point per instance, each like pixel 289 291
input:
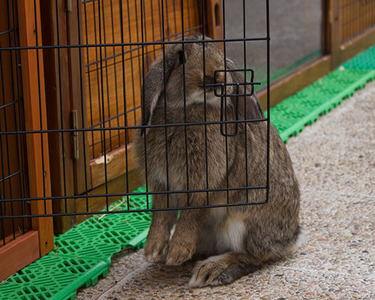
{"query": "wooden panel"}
pixel 36 119
pixel 117 163
pixel 18 254
pixel 335 31
pixel 356 16
pixel 108 93
pixel 118 185
pixel 357 45
pixel 77 96
pixel 11 146
pixel 292 83
pixel 56 69
pixel 215 27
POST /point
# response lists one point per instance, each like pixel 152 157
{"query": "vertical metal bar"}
pixel 152 27
pixel 82 102
pixel 225 102
pixel 188 15
pixel 89 82
pixel 131 62
pixel 137 47
pixel 165 102
pixel 143 110
pixel 184 90
pixel 103 110
pixel 61 102
pixel 205 97
pixel 174 16
pixel 107 81
pixel 14 108
pixel 245 101
pixel 268 98
pixel 3 176
pixel 99 79
pixel 24 207
pixel 40 106
pixel 143 17
pixel 124 95
pixel 6 145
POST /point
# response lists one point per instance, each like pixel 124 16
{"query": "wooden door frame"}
pixel 65 90
pixel 35 243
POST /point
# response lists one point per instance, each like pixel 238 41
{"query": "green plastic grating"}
pixel 84 253
pixel 53 276
pixel 303 108
pixel 363 61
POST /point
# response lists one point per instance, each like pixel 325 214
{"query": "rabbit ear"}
pixel 154 85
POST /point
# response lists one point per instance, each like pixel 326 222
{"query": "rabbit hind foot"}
pixel 222 269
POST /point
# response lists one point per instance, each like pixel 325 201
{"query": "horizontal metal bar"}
pixel 222 84
pixel 106 212
pixel 6 31
pixel 10 103
pixel 134 44
pixel 132 127
pixel 116 116
pixel 11 175
pixel 139 48
pixel 135 194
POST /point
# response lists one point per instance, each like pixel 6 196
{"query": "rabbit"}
pixel 232 240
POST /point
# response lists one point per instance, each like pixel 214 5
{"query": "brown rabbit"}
pixel 237 239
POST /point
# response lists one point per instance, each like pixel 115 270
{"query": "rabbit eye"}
pixel 216 76
pixel 181 57
pixel 208 79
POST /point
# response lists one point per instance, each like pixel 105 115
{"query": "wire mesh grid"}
pixel 117 42
pixel 357 16
pixel 13 168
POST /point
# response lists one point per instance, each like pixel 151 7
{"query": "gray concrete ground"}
pixel 335 162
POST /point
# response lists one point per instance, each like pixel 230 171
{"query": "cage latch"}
pixel 68 5
pixel 237 94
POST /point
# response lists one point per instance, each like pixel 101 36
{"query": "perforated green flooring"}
pixel 83 254
pixel 303 108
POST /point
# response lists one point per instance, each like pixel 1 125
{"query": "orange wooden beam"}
pixel 18 254
pixel 35 119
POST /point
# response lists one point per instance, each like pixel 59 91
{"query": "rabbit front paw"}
pixel 178 254
pixel 156 250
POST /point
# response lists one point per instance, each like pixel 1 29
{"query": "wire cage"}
pixel 71 85
pixel 109 49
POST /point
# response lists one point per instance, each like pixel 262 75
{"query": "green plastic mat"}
pixel 83 254
pixel 303 108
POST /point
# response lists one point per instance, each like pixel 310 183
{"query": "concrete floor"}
pixel 335 163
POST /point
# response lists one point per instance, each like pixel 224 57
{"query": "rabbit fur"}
pixel 234 240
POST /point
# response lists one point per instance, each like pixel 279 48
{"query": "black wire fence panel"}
pixel 356 17
pixel 13 166
pixel 119 46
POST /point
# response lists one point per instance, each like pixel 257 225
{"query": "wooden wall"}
pixel 106 66
pixel 12 164
pixel 356 16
